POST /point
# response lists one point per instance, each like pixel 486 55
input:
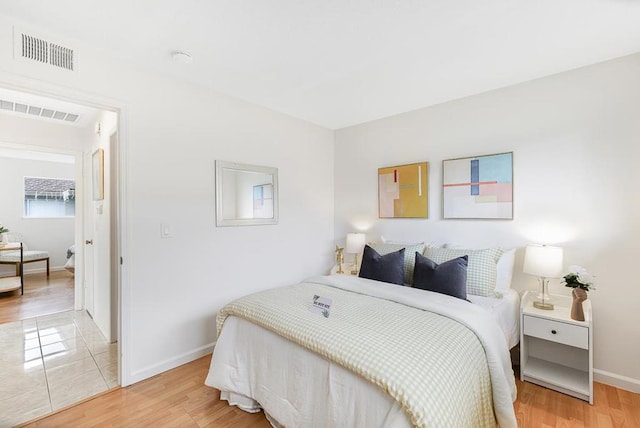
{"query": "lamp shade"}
pixel 543 260
pixel 355 242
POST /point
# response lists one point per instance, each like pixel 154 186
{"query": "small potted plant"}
pixel 581 281
pixel 3 235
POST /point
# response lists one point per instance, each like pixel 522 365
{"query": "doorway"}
pixel 68 341
pixel 37 207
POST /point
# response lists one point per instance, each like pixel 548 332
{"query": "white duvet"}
pixel 258 369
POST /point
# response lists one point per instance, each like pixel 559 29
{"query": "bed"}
pixel 386 356
pixel 505 310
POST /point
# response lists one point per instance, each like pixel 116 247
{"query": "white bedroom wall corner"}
pixel 574 141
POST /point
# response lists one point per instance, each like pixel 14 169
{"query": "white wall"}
pixel 30 132
pixel 54 235
pixel 174 287
pixel 575 138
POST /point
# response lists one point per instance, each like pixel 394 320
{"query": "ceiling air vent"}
pixel 35 48
pixel 61 56
pixel 17 107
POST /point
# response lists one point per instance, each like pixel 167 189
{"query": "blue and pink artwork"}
pixel 479 187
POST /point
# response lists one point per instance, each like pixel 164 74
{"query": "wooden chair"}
pixel 18 258
pixel 11 283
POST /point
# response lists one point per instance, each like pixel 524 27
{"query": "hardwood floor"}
pixel 42 295
pixel 540 407
pixel 179 398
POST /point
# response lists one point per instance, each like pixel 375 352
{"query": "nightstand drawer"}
pixel 569 334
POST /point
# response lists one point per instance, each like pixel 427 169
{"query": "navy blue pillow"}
pixel 449 277
pixel 387 268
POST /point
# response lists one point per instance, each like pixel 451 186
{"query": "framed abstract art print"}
pixel 403 191
pixel 479 187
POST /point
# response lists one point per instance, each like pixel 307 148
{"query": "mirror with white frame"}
pixel 246 194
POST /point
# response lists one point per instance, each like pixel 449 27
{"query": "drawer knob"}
pixel 553 332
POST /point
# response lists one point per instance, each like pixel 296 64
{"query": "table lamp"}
pixel 545 262
pixel 355 245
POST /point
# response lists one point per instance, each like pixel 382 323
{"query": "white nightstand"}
pixel 555 351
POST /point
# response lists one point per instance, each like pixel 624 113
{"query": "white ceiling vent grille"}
pixel 24 109
pixel 31 47
pixel 35 49
pixel 61 56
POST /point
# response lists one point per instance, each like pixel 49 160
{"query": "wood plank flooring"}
pixel 42 295
pixel 612 407
pixel 179 398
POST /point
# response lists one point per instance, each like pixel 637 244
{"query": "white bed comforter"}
pixel 238 366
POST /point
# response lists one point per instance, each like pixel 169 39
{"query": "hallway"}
pixel 50 362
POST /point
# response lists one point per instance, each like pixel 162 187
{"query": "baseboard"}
pixel 619 381
pixel 171 363
pixel 11 270
pixel 43 270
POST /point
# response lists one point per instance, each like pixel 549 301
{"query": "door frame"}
pixel 84 252
pixel 38 87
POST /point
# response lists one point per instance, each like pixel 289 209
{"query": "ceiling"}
pixel 338 63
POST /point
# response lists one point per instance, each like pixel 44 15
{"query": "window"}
pixel 49 197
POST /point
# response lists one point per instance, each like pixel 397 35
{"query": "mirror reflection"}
pixel 245 194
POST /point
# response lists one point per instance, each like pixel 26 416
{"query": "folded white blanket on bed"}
pixel 441 372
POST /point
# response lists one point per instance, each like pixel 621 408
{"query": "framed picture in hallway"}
pixel 479 187
pixel 97 166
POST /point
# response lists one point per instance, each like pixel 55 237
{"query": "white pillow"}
pixel 505 271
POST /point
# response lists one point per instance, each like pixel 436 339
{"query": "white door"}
pixel 98 237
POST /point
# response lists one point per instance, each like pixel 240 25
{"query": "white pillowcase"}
pixel 505 271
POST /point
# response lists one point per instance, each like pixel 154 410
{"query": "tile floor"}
pixel 51 361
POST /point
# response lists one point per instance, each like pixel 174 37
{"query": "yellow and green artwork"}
pixel 403 191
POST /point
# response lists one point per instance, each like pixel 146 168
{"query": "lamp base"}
pixel 543 305
pixel 354 270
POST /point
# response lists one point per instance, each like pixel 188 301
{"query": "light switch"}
pixel 165 230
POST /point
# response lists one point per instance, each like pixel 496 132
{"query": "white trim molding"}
pixel 619 381
pixel 172 363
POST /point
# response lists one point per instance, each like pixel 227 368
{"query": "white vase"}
pixel 4 239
